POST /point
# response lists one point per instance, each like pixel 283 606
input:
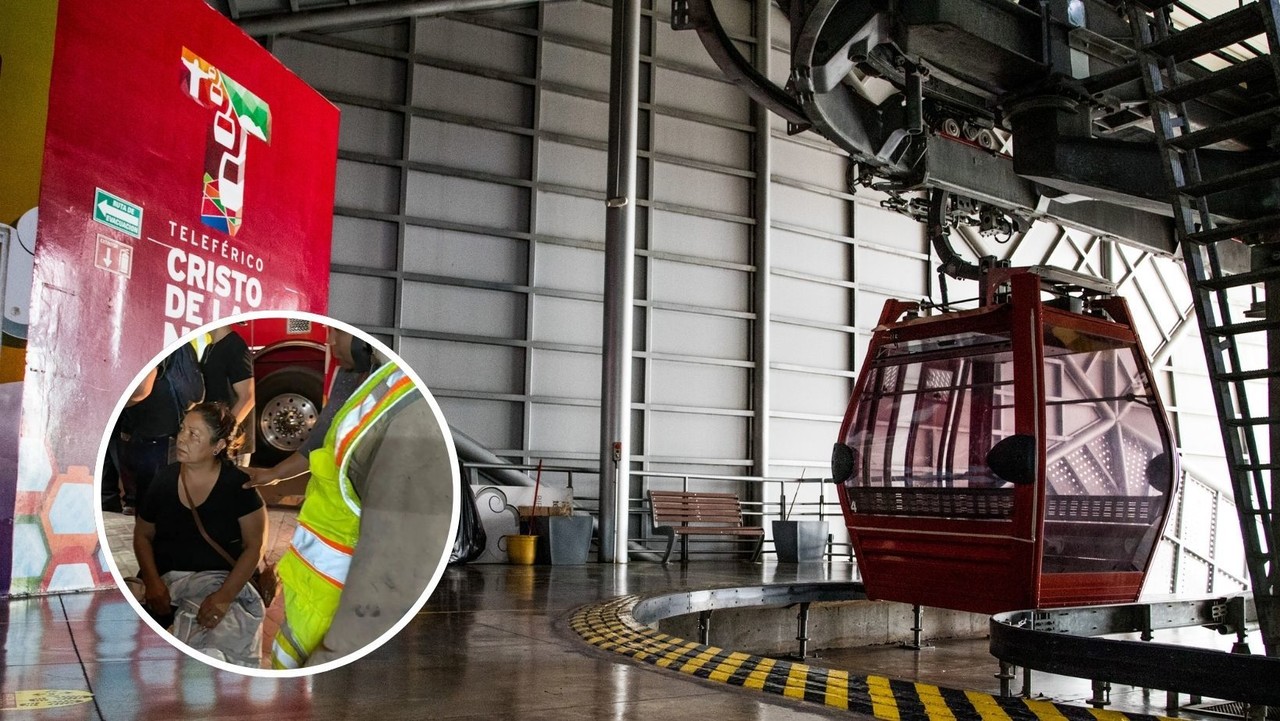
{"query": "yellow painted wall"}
pixel 26 56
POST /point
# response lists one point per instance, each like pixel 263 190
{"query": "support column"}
pixel 619 281
pixel 761 294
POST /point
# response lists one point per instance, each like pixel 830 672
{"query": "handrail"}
pixel 827 505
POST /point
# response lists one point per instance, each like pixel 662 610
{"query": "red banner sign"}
pixel 187 176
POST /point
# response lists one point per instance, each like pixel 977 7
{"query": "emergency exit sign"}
pixel 116 212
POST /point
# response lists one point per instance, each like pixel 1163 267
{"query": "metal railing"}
pixel 824 506
pixel 816 499
pixel 472 471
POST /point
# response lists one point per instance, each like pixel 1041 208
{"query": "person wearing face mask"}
pixel 199 537
pixel 376 512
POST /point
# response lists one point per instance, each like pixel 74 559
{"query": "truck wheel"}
pixel 288 406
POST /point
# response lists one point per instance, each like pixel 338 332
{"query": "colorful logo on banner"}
pixel 238 114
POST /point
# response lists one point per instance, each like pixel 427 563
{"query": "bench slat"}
pixel 676 513
pixel 738 531
pixel 696 515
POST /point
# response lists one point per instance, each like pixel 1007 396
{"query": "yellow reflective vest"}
pixel 314 569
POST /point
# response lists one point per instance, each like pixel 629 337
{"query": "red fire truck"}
pixel 291 366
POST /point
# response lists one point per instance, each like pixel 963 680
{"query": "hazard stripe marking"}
pixel 934 704
pixel 986 707
pixel 610 626
pixel 883 704
pixel 837 692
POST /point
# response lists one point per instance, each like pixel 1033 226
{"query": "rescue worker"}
pixel 375 521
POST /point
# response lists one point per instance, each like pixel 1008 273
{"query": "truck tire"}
pixel 288 405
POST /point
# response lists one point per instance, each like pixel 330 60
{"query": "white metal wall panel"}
pixel 710 238
pixel 798 443
pixel 496 425
pixel 471 95
pixel 735 15
pixel 476 46
pixel 702 189
pixel 364 242
pixel 565 375
pixel 477 249
pixel 465 147
pixel 370 130
pixel 798 392
pixel 673 49
pixel 812 300
pixel 582 21
pixel 690 139
pixel 563 267
pixel 568 431
pixel 816 211
pixel 575 67
pixel 463 200
pixel 567 320
pixel 365 186
pixel 572 165
pixel 699 334
pixel 570 216
pixel 811 346
pixel 698 439
pixel 696 385
pixel 871 303
pixel 347 72
pixel 904 275
pixel 712 98
pixel 464 311
pixel 804 161
pixel 888 229
pixel 458 254
pixel 700 285
pixel 478 367
pixel 394 36
pixel 573 115
pixel 363 301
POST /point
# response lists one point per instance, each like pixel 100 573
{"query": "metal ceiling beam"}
pixel 367 13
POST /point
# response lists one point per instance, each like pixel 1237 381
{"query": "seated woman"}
pixel 191 506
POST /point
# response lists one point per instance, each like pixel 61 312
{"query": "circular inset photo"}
pixel 280 493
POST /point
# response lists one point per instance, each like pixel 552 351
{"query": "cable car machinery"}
pixel 1144 121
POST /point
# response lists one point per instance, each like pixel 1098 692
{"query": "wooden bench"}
pixel 676 513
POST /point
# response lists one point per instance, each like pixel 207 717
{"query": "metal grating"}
pixel 941 502
pixel 297 326
pixel 1227 709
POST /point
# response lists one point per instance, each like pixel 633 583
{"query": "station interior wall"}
pixel 469 234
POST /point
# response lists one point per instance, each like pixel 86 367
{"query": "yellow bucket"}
pixel 521 550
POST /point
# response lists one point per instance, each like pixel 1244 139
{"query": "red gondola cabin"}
pixel 1008 457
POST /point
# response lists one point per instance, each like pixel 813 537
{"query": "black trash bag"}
pixel 471 538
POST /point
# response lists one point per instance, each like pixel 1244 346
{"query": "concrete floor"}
pixel 491 643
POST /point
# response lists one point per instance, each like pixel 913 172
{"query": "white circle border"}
pixel 453 477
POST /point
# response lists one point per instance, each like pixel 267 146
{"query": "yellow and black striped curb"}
pixel 610 626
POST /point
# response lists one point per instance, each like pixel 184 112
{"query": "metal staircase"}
pixel 1229 259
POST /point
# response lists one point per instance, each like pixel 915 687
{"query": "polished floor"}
pixel 491 643
pixel 282 520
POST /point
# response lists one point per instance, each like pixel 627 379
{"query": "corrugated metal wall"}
pixel 469 234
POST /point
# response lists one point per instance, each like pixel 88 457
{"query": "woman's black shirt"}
pixel 178 545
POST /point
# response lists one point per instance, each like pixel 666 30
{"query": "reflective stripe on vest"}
pixel 281 658
pixel 314 570
pixel 378 394
pixel 286 652
pixel 331 560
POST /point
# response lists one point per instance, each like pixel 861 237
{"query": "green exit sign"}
pixel 116 212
